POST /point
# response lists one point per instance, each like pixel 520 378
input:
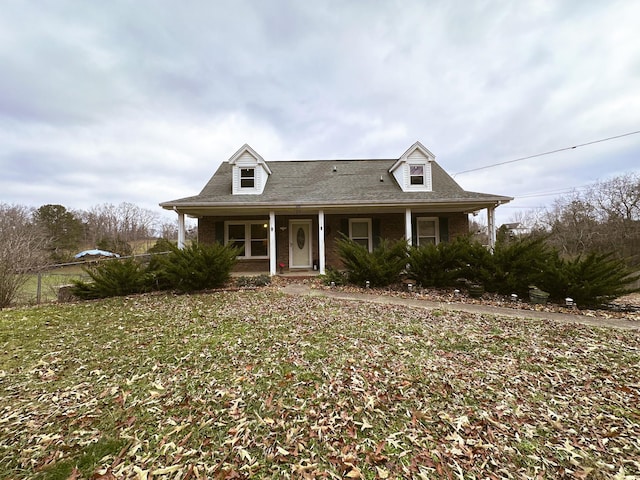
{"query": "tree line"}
pixel 602 217
pixel 32 238
pixel 56 233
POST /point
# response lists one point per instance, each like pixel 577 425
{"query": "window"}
pixel 428 231
pixel 236 236
pixel 247 177
pixel 416 174
pixel 259 239
pixel 251 237
pixel 360 231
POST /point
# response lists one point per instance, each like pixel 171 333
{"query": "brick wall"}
pixel 207 230
pixel 391 226
pixel 458 225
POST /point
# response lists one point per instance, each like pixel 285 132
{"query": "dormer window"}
pixel 412 171
pixel 416 174
pixel 247 177
pixel 250 172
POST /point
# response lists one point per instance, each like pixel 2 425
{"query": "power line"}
pixel 548 153
pixel 528 207
pixel 548 193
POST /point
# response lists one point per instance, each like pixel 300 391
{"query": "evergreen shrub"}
pixel 162 245
pixel 334 275
pixel 443 264
pixel 196 267
pixel 112 278
pixel 518 263
pixel 381 267
pixel 592 280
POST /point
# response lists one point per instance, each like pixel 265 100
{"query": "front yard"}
pixel 256 383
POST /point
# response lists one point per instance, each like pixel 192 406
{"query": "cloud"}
pixel 140 102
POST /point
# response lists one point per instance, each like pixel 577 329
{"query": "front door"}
pixel 300 244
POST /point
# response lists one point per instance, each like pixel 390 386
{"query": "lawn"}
pixel 256 383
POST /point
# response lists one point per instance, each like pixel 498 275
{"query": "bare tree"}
pixel 529 221
pixel 604 217
pixel 618 204
pixel 573 225
pixel 618 198
pixel 169 230
pixel 21 250
pixel 125 222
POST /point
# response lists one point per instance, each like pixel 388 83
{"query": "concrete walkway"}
pixel 302 289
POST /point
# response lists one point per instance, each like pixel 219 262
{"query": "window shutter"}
pixel 219 226
pixel 375 232
pixel 344 227
pixel 414 231
pixel 444 229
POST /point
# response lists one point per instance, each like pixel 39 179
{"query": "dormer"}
pixel 250 172
pixel 412 171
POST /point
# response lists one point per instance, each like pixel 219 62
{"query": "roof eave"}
pixel 467 205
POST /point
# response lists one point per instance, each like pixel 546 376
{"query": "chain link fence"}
pixel 43 286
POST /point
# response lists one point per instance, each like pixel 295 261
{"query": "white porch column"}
pixel 181 230
pixel 272 243
pixel 491 226
pixel 407 226
pixel 321 258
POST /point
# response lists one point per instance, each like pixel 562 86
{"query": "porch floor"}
pixel 285 274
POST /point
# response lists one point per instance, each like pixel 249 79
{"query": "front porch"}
pixel 302 242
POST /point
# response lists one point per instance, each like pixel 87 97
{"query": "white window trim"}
pixel 436 222
pixel 247 236
pixel 258 186
pixel 427 178
pixel 253 177
pixel 424 172
pixel 369 229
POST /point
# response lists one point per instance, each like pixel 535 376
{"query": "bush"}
pixel 162 245
pixel 517 264
pixel 381 267
pixel 196 267
pixel 112 278
pixel 333 275
pixel 443 264
pixel 593 280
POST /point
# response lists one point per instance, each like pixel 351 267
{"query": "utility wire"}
pixel 547 153
pixel 548 193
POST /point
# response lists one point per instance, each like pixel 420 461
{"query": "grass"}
pixel 50 281
pixel 239 384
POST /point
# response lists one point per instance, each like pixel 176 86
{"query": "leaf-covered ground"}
pixel 240 384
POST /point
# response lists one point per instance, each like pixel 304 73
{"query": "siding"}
pixel 246 160
pixel 403 177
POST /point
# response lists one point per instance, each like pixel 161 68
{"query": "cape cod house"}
pixel 288 214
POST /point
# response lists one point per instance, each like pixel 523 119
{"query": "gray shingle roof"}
pixel 315 183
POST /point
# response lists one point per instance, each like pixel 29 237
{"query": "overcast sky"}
pixel 140 101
